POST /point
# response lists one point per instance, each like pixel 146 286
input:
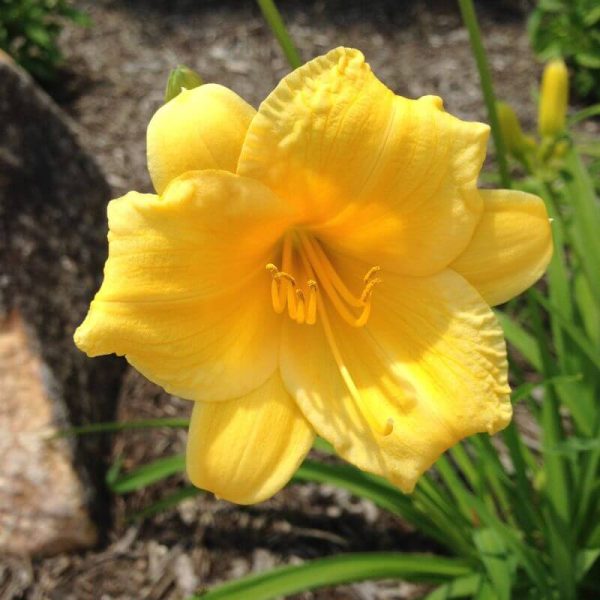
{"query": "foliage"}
pixel 570 29
pixel 29 31
pixel 519 516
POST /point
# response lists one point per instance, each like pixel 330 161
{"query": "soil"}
pixel 116 73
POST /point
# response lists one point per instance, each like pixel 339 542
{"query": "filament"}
pixel 302 302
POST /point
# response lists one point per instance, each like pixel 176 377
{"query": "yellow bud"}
pixel 516 142
pixel 181 78
pixel 554 97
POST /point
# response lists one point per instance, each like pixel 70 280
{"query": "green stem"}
pixel 275 22
pixel 470 20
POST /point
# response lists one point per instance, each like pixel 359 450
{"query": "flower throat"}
pixel 304 305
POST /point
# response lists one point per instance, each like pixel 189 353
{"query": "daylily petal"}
pixel 376 175
pixel 202 128
pixel 430 365
pixel 246 450
pixel 511 246
pixel 184 296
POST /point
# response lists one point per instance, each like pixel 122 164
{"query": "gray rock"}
pixel 52 248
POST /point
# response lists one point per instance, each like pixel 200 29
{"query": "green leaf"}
pixel 115 426
pixel 523 341
pixel 582 198
pixel 165 503
pixel 336 570
pixel 39 35
pixel 323 446
pixel 430 520
pixel 585 113
pixel 585 561
pixel 461 587
pixel 527 557
pixel 592 16
pixel 148 474
pixel 575 333
pixel 587 59
pixel 499 563
pixel 359 483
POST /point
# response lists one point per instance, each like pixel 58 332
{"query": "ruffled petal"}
pixel 511 246
pixel 185 295
pixel 202 128
pixel 427 370
pixel 378 176
pixel 246 450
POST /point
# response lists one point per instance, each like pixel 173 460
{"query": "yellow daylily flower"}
pixel 324 264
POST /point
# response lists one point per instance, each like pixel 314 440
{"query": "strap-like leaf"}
pixel 345 568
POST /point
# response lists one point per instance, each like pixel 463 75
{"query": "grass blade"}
pixel 523 341
pixel 416 509
pixel 148 474
pixel 336 570
pixel 116 426
pixel 165 503
pixel 576 334
pixel 469 18
pixel 461 587
pixel 275 22
pixel 499 564
pixel 359 483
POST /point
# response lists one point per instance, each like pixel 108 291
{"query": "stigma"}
pixel 304 300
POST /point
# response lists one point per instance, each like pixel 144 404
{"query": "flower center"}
pixel 305 303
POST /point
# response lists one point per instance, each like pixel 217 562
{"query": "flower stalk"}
pixel 470 20
pixel 273 18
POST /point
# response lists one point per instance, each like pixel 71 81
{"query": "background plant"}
pixel 570 29
pixel 518 515
pixel 29 31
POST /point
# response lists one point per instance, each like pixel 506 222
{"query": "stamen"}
pixel 366 294
pixel 311 311
pixel 300 308
pixel 321 270
pixel 278 304
pixel 370 273
pixel 319 256
pixel 304 309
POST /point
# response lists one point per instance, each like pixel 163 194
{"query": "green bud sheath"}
pixel 180 78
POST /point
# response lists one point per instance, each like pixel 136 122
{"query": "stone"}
pixel 53 246
pixel 43 502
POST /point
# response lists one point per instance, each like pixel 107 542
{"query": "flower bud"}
pixel 517 143
pixel 554 97
pixel 179 79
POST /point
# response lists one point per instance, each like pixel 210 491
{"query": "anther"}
pixel 366 293
pixel 277 274
pixel 371 272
